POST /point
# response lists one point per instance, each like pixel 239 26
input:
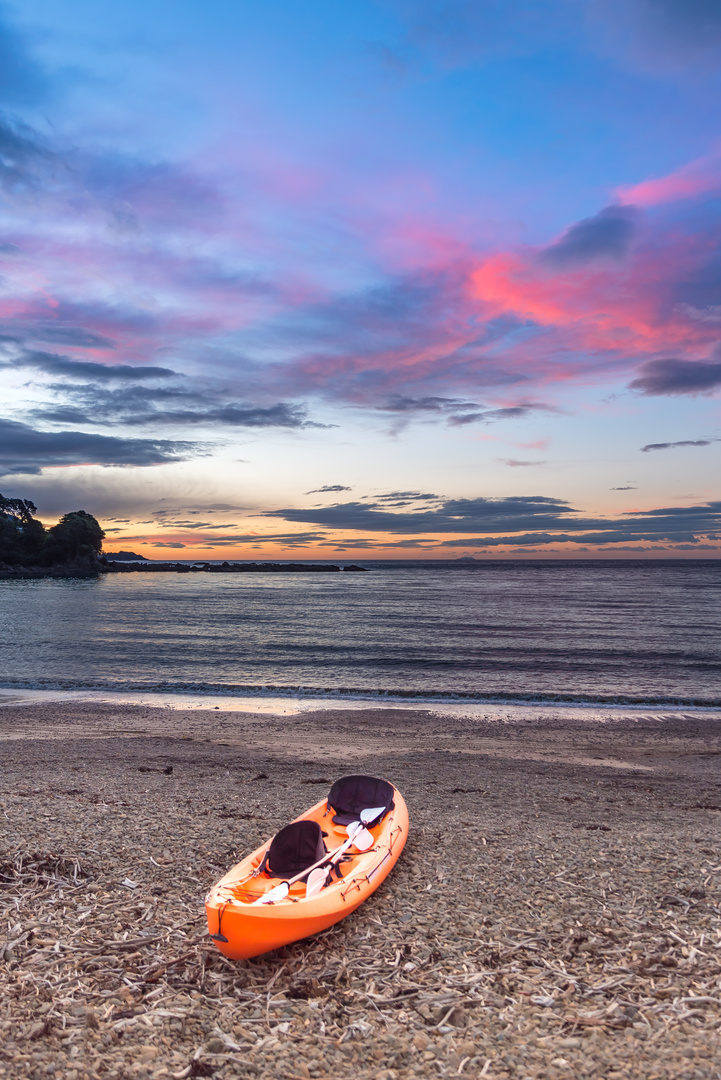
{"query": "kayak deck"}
pixel 250 929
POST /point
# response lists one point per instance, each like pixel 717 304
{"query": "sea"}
pixel 639 634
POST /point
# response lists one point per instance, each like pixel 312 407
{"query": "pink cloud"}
pixel 630 308
pixel 691 180
pixel 357 299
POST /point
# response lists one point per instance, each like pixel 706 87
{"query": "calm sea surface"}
pixel 626 632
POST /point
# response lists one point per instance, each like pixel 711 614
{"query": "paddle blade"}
pixel 363 840
pixel 278 892
pixel 316 881
pixel 372 815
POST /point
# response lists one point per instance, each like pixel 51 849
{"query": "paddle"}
pixel 372 815
pixel 363 840
pixel 358 836
pixel 279 892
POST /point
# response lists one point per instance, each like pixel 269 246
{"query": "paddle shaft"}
pixel 312 889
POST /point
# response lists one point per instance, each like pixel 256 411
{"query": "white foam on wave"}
pixel 486 711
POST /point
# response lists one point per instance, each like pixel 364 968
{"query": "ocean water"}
pixel 646 633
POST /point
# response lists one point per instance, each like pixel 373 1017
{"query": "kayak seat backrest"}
pixel 351 794
pixel 294 849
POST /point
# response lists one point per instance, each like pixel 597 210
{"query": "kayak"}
pixel 245 919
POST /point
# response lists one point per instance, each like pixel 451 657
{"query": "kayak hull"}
pixel 252 929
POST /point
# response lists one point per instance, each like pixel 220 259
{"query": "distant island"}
pixel 124 556
pixel 74 548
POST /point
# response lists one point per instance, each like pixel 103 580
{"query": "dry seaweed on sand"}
pixel 506 943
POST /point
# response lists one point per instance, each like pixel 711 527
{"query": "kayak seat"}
pixel 295 848
pixel 351 794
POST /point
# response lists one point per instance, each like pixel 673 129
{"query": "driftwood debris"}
pixel 506 943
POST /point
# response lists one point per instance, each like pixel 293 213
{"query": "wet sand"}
pixel 555 912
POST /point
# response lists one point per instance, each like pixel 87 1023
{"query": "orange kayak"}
pixel 242 927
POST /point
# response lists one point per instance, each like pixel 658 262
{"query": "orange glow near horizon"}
pixel 384 546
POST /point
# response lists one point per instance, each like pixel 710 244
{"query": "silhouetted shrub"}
pixel 24 541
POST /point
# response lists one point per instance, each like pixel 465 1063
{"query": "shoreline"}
pixel 555 911
pixel 273 699
pixel 197 566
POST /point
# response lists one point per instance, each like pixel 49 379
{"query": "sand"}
pixel 555 912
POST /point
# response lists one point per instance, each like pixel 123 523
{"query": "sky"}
pixel 391 279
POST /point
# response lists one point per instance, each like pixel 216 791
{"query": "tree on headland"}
pixel 24 540
pixel 76 536
pixel 22 536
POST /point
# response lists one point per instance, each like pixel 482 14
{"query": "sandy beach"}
pixel 555 912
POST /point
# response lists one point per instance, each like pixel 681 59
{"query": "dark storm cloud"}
pixel 466 418
pixel 280 415
pixel 488 416
pixel 456 412
pixel 24 449
pixel 233 539
pixel 666 377
pixel 130 405
pixel 454 515
pixel 672 446
pixel 707 515
pixel 140 405
pixel 543 539
pixel 518 516
pixel 607 235
pixel 402 499
pixel 53 364
pixel 214 508
pixel 392 496
pixel 283 414
pixel 328 487
pixel 402 404
pixel 197 525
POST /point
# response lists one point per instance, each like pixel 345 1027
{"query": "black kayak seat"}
pixel 351 794
pixel 295 848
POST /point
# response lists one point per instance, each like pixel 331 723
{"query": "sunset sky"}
pixel 404 278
